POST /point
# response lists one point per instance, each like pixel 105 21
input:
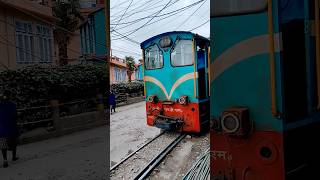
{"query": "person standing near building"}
pixel 8 128
pixel 112 102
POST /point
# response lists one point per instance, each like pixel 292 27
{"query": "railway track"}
pixel 139 164
pixel 134 152
pixel 156 160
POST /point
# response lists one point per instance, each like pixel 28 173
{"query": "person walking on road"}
pixel 8 128
pixel 112 102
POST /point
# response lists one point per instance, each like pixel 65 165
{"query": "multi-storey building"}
pixel 26 33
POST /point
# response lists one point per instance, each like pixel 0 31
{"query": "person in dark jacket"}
pixel 112 102
pixel 8 128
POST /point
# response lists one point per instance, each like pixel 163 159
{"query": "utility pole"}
pixel 108 47
pixel 108 41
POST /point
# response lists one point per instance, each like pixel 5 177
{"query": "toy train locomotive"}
pixel 265 89
pixel 176 80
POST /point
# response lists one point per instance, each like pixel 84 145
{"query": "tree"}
pixel 67 11
pixel 130 66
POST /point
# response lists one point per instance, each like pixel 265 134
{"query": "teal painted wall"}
pixel 139 73
pixel 93 34
pixel 100 33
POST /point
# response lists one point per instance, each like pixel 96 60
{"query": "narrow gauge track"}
pixel 135 152
pixel 156 160
pixel 148 167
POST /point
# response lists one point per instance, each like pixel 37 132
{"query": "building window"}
pixel 24 43
pixel 88 38
pixel 45 43
pixel 33 45
pixel 116 74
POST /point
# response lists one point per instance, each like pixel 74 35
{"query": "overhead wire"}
pixel 153 16
pixel 143 10
pixel 125 49
pixel 123 36
pixel 12 44
pixel 122 16
pixel 146 9
pixel 200 25
pixel 166 17
pixel 191 15
pixel 61 28
pixel 141 6
pixel 125 1
pixel 149 20
pixel 170 15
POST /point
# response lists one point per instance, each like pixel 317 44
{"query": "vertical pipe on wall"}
pixel 142 65
pixel 317 34
pixel 209 71
pixel 272 60
pixel 107 28
pixel 195 69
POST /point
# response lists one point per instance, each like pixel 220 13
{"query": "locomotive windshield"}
pixel 232 7
pixel 181 53
pixel 153 58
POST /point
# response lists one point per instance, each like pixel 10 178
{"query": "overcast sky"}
pixel 176 15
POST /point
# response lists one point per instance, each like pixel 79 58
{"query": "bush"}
pixel 35 86
pixel 132 89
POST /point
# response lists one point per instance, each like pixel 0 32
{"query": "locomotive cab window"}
pixel 181 53
pixel 233 7
pixel 153 58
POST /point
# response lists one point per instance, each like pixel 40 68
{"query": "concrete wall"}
pixel 32 6
pixel 7 39
pixel 67 125
pixel 74 46
pixel 133 76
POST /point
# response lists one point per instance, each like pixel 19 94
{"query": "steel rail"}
pixel 145 172
pixel 134 152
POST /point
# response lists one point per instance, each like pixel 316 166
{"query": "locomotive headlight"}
pixel 230 123
pixel 153 99
pixel 183 100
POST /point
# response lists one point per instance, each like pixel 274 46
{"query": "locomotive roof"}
pixel 170 33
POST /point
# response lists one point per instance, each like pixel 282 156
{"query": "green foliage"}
pixel 68 13
pixel 35 86
pixel 133 89
pixel 130 65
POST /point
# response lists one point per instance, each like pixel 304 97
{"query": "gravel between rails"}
pixel 181 159
pixel 131 167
